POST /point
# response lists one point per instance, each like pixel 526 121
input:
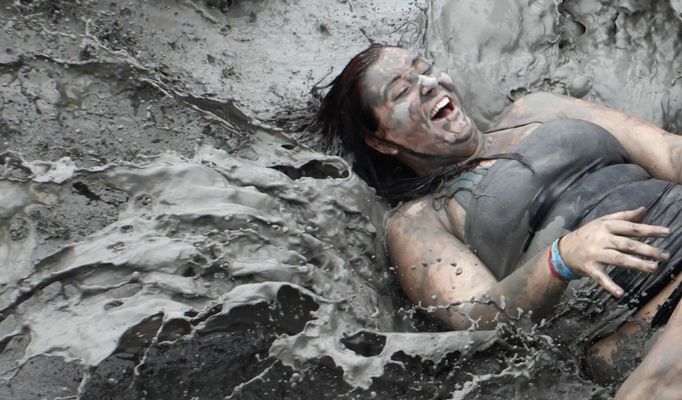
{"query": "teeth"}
pixel 442 103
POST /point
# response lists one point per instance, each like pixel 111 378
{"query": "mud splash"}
pixel 160 240
pixel 216 265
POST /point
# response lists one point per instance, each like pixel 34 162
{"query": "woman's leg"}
pixel 612 358
pixel 659 375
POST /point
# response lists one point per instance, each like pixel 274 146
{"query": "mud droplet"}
pixel 143 200
pixel 458 271
pixel 579 86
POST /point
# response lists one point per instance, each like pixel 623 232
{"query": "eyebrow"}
pixel 397 77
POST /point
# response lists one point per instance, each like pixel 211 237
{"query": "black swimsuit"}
pixel 576 172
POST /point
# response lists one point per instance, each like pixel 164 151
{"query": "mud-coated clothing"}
pixel 576 172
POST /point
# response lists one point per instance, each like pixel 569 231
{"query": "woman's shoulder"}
pixel 413 209
pixel 419 215
pixel 536 107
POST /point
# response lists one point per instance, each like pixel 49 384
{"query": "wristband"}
pixel 557 265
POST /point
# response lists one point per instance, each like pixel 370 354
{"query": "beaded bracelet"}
pixel 557 265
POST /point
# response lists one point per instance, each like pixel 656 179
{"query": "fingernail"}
pixel 666 255
pixel 619 293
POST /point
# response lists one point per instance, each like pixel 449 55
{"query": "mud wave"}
pixel 159 240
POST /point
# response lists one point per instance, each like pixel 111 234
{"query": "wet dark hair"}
pixel 345 119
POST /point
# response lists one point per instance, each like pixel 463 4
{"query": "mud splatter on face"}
pixel 137 266
pixel 416 109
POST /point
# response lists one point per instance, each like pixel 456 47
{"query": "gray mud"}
pixel 622 54
pixel 161 238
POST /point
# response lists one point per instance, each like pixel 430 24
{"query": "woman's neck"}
pixel 430 166
pixel 497 142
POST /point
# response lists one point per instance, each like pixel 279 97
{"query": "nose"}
pixel 445 79
pixel 427 84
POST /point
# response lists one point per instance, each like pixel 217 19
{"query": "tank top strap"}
pixel 461 187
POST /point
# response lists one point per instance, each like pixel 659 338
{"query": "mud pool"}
pixel 165 233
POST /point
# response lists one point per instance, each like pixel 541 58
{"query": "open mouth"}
pixel 442 109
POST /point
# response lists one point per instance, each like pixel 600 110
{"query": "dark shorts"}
pixel 588 312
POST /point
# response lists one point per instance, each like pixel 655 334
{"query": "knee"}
pixel 601 368
pixel 661 381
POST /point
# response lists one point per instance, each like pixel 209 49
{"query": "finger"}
pixel 605 281
pixel 626 228
pixel 615 257
pixel 635 215
pixel 636 247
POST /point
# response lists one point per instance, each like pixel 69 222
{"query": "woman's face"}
pixel 417 107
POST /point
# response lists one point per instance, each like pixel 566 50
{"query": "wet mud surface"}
pixel 161 237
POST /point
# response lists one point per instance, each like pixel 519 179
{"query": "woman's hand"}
pixel 609 241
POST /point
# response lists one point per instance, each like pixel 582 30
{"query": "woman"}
pixel 560 189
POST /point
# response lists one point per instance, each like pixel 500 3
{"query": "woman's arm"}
pixel 654 149
pixel 436 269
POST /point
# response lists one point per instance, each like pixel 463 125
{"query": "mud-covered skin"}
pixel 587 250
pixel 636 135
pixel 616 356
pixel 104 82
pixel 402 88
pixel 453 278
pixel 658 377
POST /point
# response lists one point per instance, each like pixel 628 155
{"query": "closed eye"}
pixel 402 90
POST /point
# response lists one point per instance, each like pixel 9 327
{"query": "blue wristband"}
pixel 559 266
